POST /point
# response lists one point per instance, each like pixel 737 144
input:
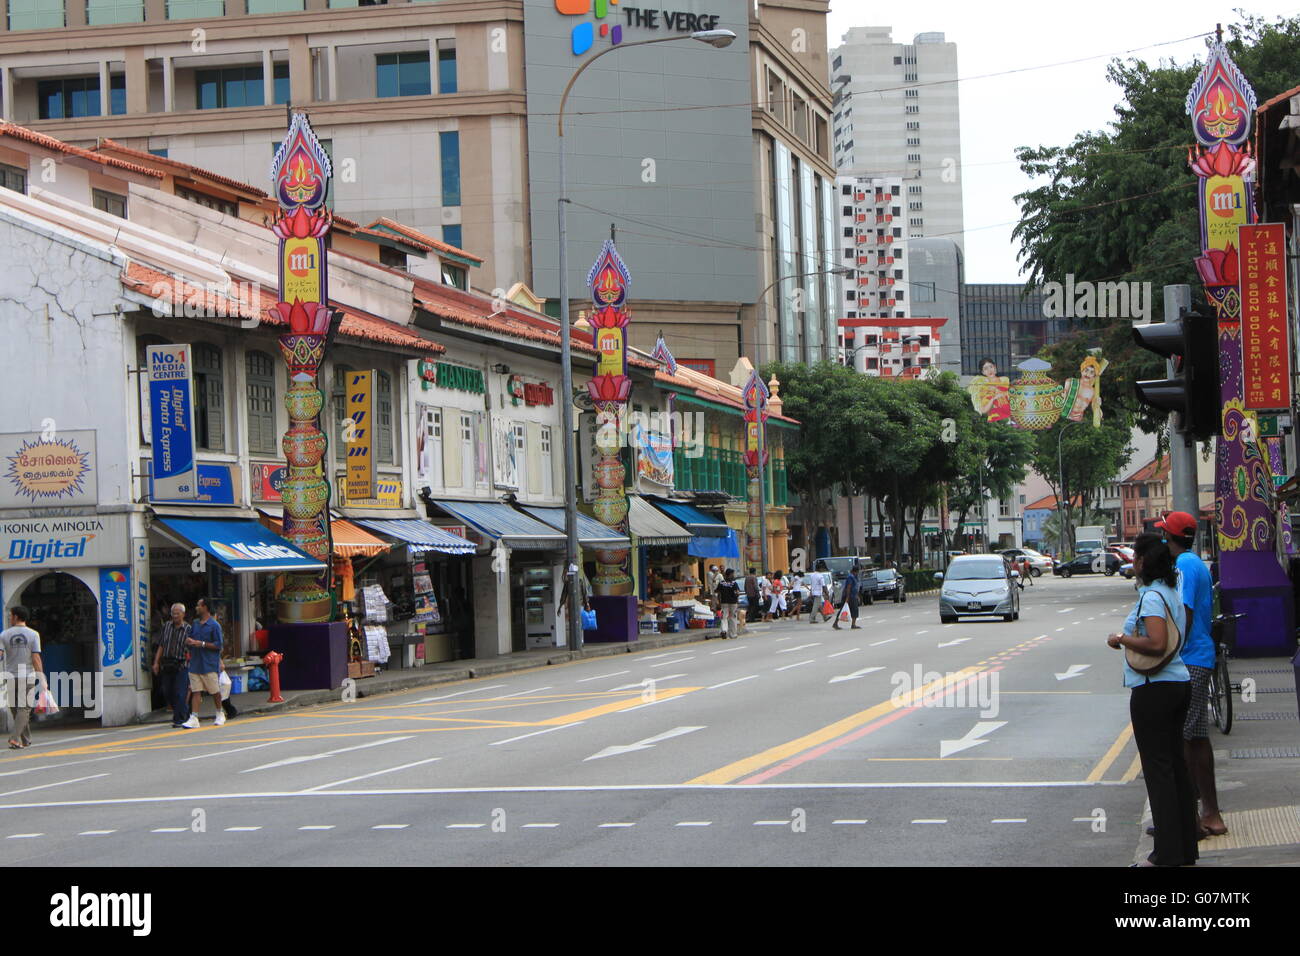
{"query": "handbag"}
pixel 1148 664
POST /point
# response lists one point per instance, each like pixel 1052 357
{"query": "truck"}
pixel 1089 537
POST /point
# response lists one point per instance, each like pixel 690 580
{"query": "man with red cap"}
pixel 1197 593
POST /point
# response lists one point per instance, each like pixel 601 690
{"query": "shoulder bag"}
pixel 1148 664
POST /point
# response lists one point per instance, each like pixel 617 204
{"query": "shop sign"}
pixel 171 419
pixel 301 269
pixel 388 495
pixel 86 542
pixel 1265 336
pixel 218 485
pixel 457 377
pixel 359 436
pixel 115 622
pixel 268 480
pixel 530 393
pixel 140 583
pixel 48 468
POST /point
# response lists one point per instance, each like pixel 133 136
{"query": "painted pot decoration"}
pixel 303 445
pixel 304 497
pixel 303 401
pixel 303 354
pixel 610 473
pixel 1035 400
pixel 610 511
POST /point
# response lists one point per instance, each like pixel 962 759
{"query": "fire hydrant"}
pixel 272 662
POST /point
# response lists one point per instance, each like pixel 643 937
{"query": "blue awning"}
pixel 709 547
pixel 241 544
pixel 693 519
pixel 591 533
pixel 500 522
pixel 419 535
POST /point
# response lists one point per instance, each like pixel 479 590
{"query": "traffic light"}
pixel 1192 341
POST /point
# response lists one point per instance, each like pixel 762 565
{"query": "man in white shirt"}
pixel 816 582
pixel 20 648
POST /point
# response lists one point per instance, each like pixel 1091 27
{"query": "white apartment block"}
pixel 896 115
pixel 892 348
pixel 873 236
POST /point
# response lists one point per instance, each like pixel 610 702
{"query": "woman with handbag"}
pixel 1161 691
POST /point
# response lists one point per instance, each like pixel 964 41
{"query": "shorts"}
pixel 205 683
pixel 1196 725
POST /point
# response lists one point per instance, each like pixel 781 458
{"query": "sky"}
pixel 1035 107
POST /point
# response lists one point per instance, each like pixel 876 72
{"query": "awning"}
pixel 241 544
pixel 500 522
pixel 650 526
pixel 349 541
pixel 702 546
pixel 693 519
pixel 420 535
pixel 591 533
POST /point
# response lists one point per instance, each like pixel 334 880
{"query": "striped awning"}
pixel 591 533
pixel 420 535
pixel 696 521
pixel 652 527
pixel 349 540
pixel 500 522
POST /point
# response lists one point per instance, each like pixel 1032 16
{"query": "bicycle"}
pixel 1223 630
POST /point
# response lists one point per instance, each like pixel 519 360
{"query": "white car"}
pixel 1038 563
pixel 980 585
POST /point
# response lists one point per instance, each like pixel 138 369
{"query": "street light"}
pixel 715 38
pixel 1060 477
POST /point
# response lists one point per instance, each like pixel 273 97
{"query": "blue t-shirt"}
pixel 1149 604
pixel 1197 592
pixel 202 660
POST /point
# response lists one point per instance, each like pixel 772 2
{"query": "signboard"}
pixel 654 460
pixel 504 454
pixel 457 377
pixel 84 542
pixel 388 495
pixel 140 584
pixel 48 468
pixel 171 418
pixel 529 393
pixel 268 480
pixel 1265 339
pixel 116 618
pixel 217 484
pixel 359 438
pixel 301 270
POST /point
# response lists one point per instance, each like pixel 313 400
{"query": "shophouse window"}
pixel 384 399
pixel 209 399
pixel 12 177
pixel 431 454
pixel 111 203
pixel 260 395
pixel 548 473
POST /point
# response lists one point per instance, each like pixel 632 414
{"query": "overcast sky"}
pixel 1041 106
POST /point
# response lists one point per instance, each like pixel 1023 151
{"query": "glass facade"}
pixel 1001 322
pixel 99 12
pixel 238 86
pixel 446 69
pixel 811 317
pixel 452 236
pixel 275 6
pixel 35 14
pixel 189 9
pixel 449 155
pixel 784 188
pixel 402 74
pixel 72 97
pixel 830 283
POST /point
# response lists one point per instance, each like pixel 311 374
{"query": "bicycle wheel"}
pixel 1213 700
pixel 1225 693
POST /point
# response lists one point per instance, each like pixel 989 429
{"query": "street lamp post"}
pixel 716 38
pixel 1060 478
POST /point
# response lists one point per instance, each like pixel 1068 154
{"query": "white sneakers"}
pixel 221 718
pixel 192 722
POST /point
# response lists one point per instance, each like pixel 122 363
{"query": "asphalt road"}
pixel 905 742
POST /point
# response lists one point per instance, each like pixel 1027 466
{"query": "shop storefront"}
pixel 658 540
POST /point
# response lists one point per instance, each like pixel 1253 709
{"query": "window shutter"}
pixel 451 448
pixel 384 399
pixel 208 360
pixel 261 403
pixel 533 455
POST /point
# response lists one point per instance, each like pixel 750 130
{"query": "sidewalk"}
pixel 430 675
pixel 1257 769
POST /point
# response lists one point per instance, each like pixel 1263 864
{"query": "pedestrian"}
pixel 765 596
pixel 778 607
pixel 752 596
pixel 818 592
pixel 797 591
pixel 728 598
pixel 1159 700
pixel 20 649
pixel 850 598
pixel 714 579
pixel 204 643
pixel 1196 591
pixel 171 664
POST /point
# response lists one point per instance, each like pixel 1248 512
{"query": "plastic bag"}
pixel 223 682
pixel 827 608
pixel 45 704
pixel 588 620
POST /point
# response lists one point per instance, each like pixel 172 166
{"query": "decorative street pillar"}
pixel 301 173
pixel 609 389
pixel 1251 575
pixel 756 394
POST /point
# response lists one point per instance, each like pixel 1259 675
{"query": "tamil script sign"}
pixel 171 419
pixel 48 468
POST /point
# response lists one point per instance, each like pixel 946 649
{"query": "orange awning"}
pixel 350 541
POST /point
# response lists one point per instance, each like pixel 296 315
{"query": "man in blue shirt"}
pixel 205 663
pixel 1196 590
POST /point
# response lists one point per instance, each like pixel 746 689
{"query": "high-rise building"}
pixel 935 274
pixel 1004 322
pixel 896 114
pixel 873 240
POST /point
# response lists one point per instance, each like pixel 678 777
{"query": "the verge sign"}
pixel 171 417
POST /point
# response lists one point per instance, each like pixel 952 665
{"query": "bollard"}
pixel 272 662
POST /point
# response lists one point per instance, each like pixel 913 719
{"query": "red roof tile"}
pixel 49 142
pixel 149 159
pixel 1154 470
pixel 421 238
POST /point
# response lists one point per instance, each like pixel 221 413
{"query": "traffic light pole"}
pixel 1182 449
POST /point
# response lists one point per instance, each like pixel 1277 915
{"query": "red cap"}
pixel 1178 523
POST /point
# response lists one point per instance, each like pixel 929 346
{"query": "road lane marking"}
pixel 241 829
pixel 863 672
pixel 367 776
pixel 393 826
pixel 522 693
pixel 771 823
pixel 645 744
pixel 1012 820
pixel 887 641
pixel 655 657
pixel 842 653
pixel 671 663
pixel 539 826
pixel 929 821
pixel 614 826
pixel 318 826
pixel 56 766
pixel 603 676
pixel 955 641
pixel 24 836
pixel 59 742
pixel 919 633
pixel 237 750
pixel 1109 757
pixel 1133 770
pixel 1065 611
pixel 695 823
pixel 788 650
pixel 459 693
pixel 289 761
pixel 170 830
pixel 1059 629
pixel 57 783
pixel 848 823
pixel 800 664
pixel 738 647
pixel 807 743
pixel 96 832
pixel 730 682
pixel 466 826
pixel 498 743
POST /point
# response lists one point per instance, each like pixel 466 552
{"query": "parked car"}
pixel 979 585
pixel 1095 562
pixel 1124 551
pixel 1038 563
pixel 888 583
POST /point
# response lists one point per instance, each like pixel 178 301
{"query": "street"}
pixel 905 742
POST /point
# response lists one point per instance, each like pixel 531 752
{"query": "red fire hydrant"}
pixel 272 662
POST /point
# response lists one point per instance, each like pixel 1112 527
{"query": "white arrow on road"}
pixel 960 640
pixel 643 744
pixel 1074 671
pixel 855 675
pixel 972 739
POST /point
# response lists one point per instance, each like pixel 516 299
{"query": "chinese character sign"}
pixel 1265 341
pixel 755 394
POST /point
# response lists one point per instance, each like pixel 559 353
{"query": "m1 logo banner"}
pixel 359 436
pixel 301 269
pixel 171 417
pixel 1265 337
